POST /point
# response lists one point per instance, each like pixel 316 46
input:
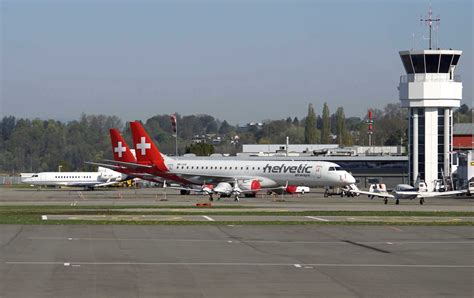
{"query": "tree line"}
pixel 42 145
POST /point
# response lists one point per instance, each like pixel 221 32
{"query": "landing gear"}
pixel 397 201
pixel 184 192
pixel 236 199
pixel 326 193
pixel 385 201
pixel 422 200
pixel 211 198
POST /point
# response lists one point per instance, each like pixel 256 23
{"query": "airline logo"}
pixel 143 146
pixel 301 169
pixel 119 149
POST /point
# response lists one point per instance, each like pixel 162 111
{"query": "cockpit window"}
pixel 339 169
pixel 35 175
pixel 331 169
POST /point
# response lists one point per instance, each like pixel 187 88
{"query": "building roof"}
pixel 463 129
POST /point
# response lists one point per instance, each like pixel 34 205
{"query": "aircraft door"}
pixel 318 171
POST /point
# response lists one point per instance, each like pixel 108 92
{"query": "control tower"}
pixel 430 90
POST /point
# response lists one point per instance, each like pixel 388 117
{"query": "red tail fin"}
pixel 120 148
pixel 145 150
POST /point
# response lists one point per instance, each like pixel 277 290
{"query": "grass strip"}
pixel 115 211
pixel 36 220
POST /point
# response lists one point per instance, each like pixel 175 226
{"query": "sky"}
pixel 240 61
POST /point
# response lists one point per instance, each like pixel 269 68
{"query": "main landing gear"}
pixel 397 201
pixel 422 200
pixel 211 199
pixel 385 201
pixel 236 198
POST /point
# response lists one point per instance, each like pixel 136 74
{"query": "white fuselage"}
pixel 268 173
pixel 84 179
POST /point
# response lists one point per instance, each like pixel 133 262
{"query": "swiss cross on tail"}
pixel 120 148
pixel 147 152
pixel 143 145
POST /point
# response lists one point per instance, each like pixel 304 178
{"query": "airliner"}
pixel 234 176
pixel 89 180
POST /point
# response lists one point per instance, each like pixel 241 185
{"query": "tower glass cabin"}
pixel 430 90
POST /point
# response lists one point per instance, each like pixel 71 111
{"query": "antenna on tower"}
pixel 429 22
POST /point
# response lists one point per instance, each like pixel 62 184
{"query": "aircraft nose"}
pixel 350 179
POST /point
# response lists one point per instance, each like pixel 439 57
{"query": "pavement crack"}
pixel 367 246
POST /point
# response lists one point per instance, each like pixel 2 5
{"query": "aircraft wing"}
pixel 105 165
pixel 215 178
pixel 120 165
pixel 375 194
pixel 439 194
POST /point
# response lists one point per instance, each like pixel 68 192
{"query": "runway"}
pixel 231 260
pixel 235 261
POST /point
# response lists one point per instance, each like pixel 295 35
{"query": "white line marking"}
pixel 67 264
pixel 317 218
pixel 389 243
pixel 76 265
pixel 208 218
pixel 245 264
pixel 44 217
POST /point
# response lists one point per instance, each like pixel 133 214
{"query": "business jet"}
pixel 231 176
pixel 404 192
pixel 88 180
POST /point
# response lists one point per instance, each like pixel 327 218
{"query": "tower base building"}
pixel 430 90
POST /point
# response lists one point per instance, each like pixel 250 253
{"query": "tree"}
pixel 225 128
pixel 340 126
pixel 310 133
pixel 296 121
pixel 200 149
pixel 326 128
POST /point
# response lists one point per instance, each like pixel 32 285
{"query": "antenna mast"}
pixel 429 22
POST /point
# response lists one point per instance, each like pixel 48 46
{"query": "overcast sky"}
pixel 241 61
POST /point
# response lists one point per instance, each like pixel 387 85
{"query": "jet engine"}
pixel 249 184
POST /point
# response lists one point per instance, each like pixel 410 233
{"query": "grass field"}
pixel 32 215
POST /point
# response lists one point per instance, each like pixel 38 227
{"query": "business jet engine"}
pixel 249 184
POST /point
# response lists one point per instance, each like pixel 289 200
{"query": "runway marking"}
pixel 317 218
pixel 248 241
pixel 243 264
pixel 208 218
pixel 44 217
pixel 67 264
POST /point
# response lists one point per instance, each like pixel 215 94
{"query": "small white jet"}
pixel 89 180
pixel 404 192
